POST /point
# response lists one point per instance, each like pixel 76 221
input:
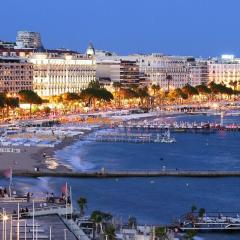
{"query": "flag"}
pixel 64 189
pixel 8 173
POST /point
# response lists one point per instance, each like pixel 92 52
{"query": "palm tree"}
pixel 97 218
pixel 82 203
pixel 189 90
pixel 110 232
pixel 201 212
pixel 95 92
pixel 193 208
pixel 169 79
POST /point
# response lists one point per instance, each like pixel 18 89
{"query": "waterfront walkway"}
pixel 130 173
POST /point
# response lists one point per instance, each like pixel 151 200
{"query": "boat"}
pixel 167 138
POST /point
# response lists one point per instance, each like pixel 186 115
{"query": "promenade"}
pixel 129 173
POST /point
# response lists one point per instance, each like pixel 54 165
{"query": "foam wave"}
pixel 72 157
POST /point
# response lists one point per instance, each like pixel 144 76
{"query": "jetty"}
pixel 103 173
pixel 210 222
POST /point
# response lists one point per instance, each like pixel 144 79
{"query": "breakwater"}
pixel 129 173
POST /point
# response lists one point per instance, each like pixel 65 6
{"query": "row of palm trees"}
pixel 96 95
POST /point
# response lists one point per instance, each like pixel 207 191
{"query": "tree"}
pixel 155 88
pixel 82 203
pixel 234 84
pixel 201 212
pixel 30 97
pixel 193 208
pixel 99 217
pixel 189 90
pixel 142 93
pixel 68 97
pixel 203 89
pixel 110 232
pixel 47 110
pixel 169 78
pixel 11 102
pixel 190 234
pixel 95 92
pixel 161 233
pixel 2 101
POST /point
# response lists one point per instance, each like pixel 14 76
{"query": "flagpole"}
pixel 33 221
pixel 66 198
pixel 11 228
pixel 10 182
pixel 3 223
pixel 25 230
pixel 71 202
pixel 18 224
pixel 50 233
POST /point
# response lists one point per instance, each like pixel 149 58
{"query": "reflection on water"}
pixel 155 200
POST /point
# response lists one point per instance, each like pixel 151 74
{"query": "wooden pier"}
pixel 128 173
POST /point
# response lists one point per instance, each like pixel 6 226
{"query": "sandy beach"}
pixel 32 157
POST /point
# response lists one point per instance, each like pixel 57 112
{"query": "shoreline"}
pixel 31 158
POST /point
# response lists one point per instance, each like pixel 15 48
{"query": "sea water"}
pixel 153 200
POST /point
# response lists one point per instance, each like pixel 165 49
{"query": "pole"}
pixel 71 202
pixel 3 223
pixel 36 232
pixel 65 234
pixel 11 228
pixel 5 227
pixel 25 230
pixel 33 221
pixel 66 198
pixel 10 183
pixel 50 233
pixel 18 224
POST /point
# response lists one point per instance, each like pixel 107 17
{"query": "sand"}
pixel 32 157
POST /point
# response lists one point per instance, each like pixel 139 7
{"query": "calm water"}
pixel 156 200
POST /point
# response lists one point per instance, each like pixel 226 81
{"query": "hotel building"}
pixel 154 69
pixel 16 74
pixel 225 70
pixel 56 74
pixel 118 70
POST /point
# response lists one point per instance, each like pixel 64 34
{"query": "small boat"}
pixel 167 138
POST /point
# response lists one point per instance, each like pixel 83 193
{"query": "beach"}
pixel 32 158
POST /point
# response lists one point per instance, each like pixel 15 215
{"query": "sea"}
pixel 159 200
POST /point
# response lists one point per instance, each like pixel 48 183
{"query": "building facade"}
pixel 56 74
pixel 26 39
pixel 226 71
pixel 118 70
pixel 16 74
pixel 156 69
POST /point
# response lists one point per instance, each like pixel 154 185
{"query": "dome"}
pixel 90 50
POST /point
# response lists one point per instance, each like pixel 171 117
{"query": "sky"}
pixel 177 27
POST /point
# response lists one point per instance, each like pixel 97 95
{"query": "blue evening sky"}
pixel 185 27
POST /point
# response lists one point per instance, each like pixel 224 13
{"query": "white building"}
pixel 55 74
pixel 27 39
pixel 225 70
pixel 156 67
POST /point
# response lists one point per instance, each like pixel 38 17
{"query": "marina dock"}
pixel 129 173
